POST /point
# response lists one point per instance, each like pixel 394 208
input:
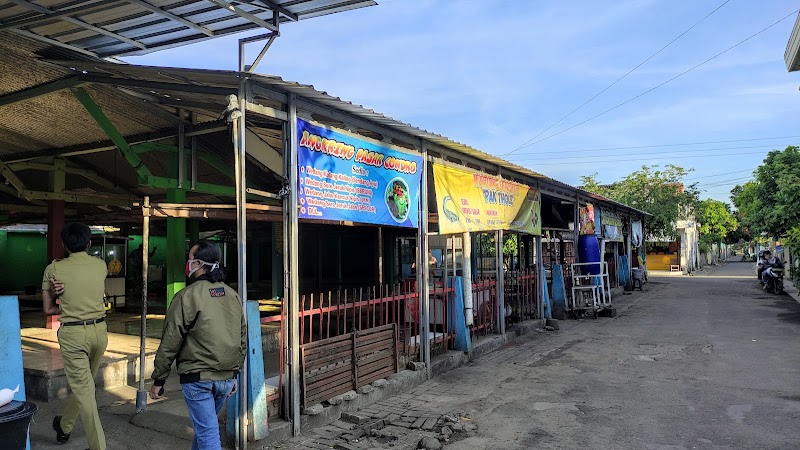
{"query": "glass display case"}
pixel 113 250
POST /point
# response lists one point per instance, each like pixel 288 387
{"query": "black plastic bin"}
pixel 15 420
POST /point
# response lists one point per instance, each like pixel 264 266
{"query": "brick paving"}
pixel 429 409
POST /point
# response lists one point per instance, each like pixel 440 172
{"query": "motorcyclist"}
pixel 769 262
pixel 760 264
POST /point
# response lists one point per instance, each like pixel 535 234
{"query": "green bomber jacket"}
pixel 205 332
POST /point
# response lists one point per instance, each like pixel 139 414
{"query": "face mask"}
pixel 189 271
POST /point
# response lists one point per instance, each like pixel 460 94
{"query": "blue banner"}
pixel 345 178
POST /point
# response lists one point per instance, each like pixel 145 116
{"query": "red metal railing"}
pixel 612 272
pixel 440 317
pixel 520 294
pixel 484 307
pixel 327 315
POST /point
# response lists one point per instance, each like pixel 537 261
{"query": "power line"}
pixel 619 79
pixel 658 85
pixel 664 145
pixel 732 181
pixel 670 152
pixel 720 174
pixel 651 158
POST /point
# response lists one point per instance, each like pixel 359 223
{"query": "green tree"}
pixel 745 200
pixel 660 192
pixel 717 221
pixel 771 202
pixel 779 191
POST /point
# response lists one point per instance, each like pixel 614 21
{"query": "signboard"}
pixel 586 217
pixel 471 201
pixel 612 226
pixel 346 178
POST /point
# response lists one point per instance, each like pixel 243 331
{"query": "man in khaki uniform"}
pixel 79 280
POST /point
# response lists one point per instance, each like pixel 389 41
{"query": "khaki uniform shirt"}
pixel 84 279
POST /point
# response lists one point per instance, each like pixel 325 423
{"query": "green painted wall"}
pixel 23 257
pixel 160 257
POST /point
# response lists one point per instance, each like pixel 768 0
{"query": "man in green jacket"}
pixel 205 331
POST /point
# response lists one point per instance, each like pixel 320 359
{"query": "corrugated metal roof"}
pixel 792 54
pixel 230 80
pixel 108 28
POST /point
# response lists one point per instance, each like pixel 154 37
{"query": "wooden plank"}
pixel 370 331
pixel 338 347
pixel 327 346
pixel 376 365
pixel 338 381
pixel 385 353
pixel 326 342
pixel 375 376
pixel 343 358
pixel 343 351
pixel 316 378
pixel 325 395
pixel 385 363
pixel 302 376
pixel 386 344
pixel 355 366
pixel 386 338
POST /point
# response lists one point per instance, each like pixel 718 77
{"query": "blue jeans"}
pixel 204 400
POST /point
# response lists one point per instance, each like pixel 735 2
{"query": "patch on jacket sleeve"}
pixel 217 292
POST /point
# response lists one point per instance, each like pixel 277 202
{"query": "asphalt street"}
pixel 695 362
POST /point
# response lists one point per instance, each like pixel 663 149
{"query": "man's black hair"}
pixel 76 237
pixel 209 252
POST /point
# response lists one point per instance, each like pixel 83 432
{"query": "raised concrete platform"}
pixel 44 371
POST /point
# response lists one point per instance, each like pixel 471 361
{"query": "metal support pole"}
pixel 286 385
pixel 466 240
pixel 423 265
pixel 240 130
pixel 541 280
pixel 141 394
pixel 194 154
pixel 294 280
pixel 501 301
pixel 380 256
pixel 629 249
pixel 181 151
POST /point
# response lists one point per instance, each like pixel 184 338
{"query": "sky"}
pixel 495 74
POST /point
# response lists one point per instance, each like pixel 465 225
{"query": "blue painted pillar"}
pixel 277 260
pixel 457 320
pixel 11 371
pixel 257 395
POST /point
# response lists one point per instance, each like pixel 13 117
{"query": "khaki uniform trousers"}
pixel 82 349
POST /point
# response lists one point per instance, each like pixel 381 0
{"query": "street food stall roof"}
pixel 207 89
pixel 111 28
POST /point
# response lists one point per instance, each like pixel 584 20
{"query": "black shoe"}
pixel 61 437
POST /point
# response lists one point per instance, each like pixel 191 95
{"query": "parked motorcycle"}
pixel 774 280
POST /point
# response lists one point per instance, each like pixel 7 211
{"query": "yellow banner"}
pixel 472 201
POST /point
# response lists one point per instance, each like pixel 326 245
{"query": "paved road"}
pixel 706 362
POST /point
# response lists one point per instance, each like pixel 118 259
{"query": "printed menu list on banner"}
pixel 346 178
pixel 472 201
